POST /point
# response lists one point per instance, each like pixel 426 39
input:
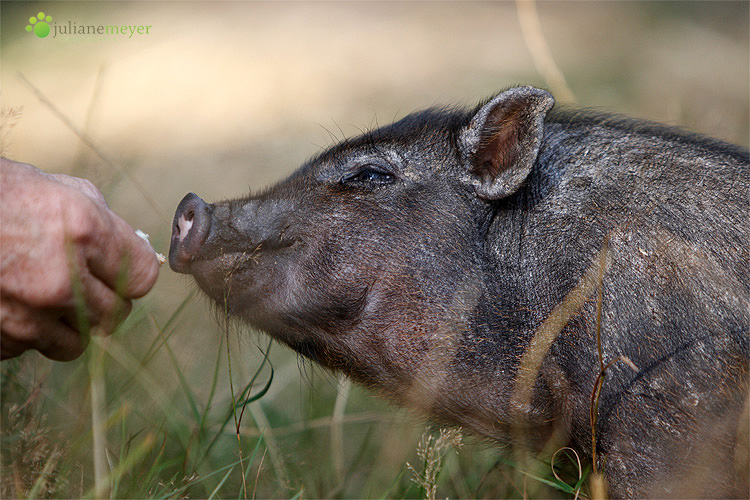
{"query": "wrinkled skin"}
pixel 59 238
pixel 454 261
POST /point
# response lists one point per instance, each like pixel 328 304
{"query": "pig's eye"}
pixel 368 175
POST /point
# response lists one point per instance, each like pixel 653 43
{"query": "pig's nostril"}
pixel 184 224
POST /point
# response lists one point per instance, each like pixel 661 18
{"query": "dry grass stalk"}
pixel 528 18
pixel 431 450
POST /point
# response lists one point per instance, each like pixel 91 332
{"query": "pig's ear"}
pixel 500 144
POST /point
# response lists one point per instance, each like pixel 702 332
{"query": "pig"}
pixel 482 267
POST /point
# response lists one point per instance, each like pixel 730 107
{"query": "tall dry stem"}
pixel 528 18
pixel 432 450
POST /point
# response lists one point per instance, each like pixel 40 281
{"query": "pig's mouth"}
pixel 238 280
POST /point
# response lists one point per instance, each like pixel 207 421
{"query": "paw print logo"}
pixel 39 25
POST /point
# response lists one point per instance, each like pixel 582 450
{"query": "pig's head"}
pixel 371 258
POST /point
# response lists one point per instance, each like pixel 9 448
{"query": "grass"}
pixel 161 426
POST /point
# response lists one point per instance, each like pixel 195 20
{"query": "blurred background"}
pixel 224 98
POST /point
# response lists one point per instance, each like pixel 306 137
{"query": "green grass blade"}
pixel 261 393
pixel 136 315
pixel 154 390
pixel 183 383
pixel 221 483
pixel 126 464
pixel 558 485
pixel 173 492
pixel 250 461
pixel 212 393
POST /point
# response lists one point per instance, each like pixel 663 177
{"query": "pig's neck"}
pixel 482 389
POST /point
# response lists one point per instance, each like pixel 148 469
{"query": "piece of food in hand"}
pixel 159 256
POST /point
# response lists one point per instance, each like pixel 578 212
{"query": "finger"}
pixel 9 348
pixel 63 343
pixel 101 306
pixel 121 259
pixel 24 328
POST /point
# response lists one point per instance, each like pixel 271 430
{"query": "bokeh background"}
pixel 224 98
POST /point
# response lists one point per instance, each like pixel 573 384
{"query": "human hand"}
pixel 61 246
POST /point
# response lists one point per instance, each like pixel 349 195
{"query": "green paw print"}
pixel 39 25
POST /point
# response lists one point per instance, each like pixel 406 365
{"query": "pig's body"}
pixel 676 298
pixel 453 262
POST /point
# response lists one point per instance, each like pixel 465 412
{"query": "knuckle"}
pixel 59 290
pixel 55 291
pixel 80 223
pixel 89 189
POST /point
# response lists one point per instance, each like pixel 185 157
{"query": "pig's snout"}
pixel 190 228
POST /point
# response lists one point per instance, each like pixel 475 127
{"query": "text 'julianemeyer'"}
pixel 72 29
